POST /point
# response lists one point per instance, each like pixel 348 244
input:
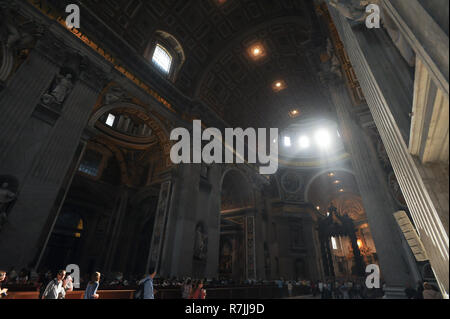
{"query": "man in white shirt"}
pixel 55 289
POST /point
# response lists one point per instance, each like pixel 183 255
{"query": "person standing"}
pixel 187 289
pixel 321 289
pixel 198 292
pixel 410 292
pixel 289 286
pixel 3 291
pixel 344 291
pixel 147 283
pixel 69 283
pixel 419 290
pixel 92 287
pixel 55 289
pixel 12 276
pixel 429 292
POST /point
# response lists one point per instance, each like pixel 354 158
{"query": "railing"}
pixel 251 292
pixel 104 294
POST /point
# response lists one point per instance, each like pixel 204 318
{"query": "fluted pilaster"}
pixel 423 211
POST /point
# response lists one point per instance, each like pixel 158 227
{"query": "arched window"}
pixel 110 120
pixel 162 59
pixel 165 54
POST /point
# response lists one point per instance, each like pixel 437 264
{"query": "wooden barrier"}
pixel 252 292
pixel 103 294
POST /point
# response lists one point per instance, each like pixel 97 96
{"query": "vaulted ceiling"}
pixel 216 36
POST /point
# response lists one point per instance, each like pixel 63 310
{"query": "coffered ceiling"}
pixel 216 36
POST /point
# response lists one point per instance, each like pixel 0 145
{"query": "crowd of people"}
pixel 344 289
pixel 424 290
pixel 56 286
pixel 358 290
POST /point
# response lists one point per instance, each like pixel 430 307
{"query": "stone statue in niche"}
pixel 61 90
pixel 7 198
pixel 201 243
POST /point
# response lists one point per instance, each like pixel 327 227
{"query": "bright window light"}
pixel 110 120
pixel 333 243
pixel 287 141
pixel 162 59
pixel 323 139
pixel 304 142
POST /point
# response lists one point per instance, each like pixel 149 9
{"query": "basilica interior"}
pixel 87 113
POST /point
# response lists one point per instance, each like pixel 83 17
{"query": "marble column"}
pixel 215 176
pixel 178 250
pixel 161 244
pixel 378 203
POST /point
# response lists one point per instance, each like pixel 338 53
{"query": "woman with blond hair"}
pixel 91 289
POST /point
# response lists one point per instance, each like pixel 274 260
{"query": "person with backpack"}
pixel 145 290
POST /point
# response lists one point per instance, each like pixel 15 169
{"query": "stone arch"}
pixel 159 129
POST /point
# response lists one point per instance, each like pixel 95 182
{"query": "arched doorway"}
pixel 236 254
pixel 115 183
